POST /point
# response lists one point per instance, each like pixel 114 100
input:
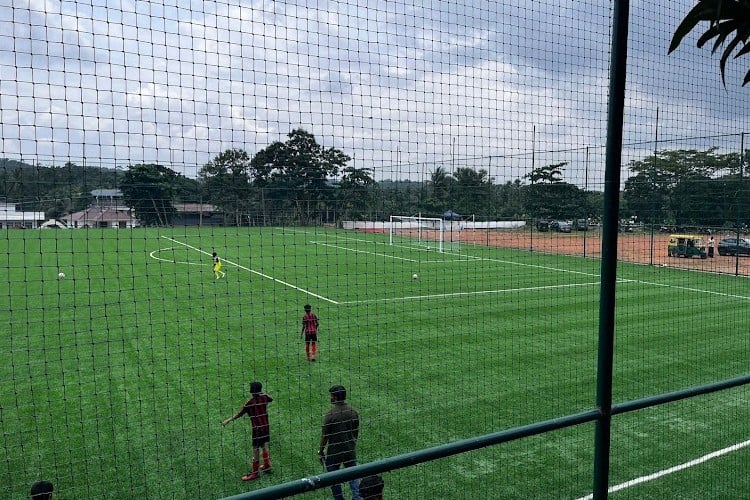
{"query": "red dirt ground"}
pixel 632 247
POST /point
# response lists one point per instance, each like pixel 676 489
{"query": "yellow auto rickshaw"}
pixel 686 245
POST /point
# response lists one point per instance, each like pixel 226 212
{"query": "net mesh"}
pixel 143 143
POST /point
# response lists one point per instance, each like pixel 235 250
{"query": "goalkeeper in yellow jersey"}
pixel 218 273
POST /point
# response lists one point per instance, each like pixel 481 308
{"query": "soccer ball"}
pixel 414 276
pixel 60 276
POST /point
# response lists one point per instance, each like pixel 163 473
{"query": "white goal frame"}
pixel 418 228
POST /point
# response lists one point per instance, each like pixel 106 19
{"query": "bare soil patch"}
pixel 631 247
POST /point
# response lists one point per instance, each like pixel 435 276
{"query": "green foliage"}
pixel 473 192
pixel 227 183
pixel 439 189
pixel 559 200
pixel 149 189
pixel 297 174
pixel 727 19
pixel 685 187
pixel 548 174
pixel 357 193
pixel 56 190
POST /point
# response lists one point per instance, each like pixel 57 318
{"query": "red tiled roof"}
pixel 98 214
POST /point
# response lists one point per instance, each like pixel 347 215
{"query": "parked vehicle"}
pixel 686 245
pixel 560 226
pixel 734 246
pixel 582 224
pixel 542 225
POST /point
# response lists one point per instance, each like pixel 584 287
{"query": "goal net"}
pixel 430 233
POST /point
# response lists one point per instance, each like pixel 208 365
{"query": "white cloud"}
pixel 389 82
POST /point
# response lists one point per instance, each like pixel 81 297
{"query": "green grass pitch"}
pixel 116 378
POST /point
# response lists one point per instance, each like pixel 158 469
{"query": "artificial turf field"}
pixel 116 378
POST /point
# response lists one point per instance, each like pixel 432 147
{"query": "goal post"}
pixel 423 232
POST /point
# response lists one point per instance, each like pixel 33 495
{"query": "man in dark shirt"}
pixel 338 439
pixel 371 488
pixel 257 409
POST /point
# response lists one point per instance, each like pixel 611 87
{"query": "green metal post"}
pixel 615 112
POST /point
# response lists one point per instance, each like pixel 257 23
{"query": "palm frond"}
pixel 729 24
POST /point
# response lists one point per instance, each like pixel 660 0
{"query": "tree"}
pixel 647 195
pixel 356 192
pixel 297 174
pixel 226 180
pixel 678 185
pixel 472 191
pixel 559 200
pixel 549 197
pixel 149 190
pixel 399 198
pixel 510 199
pixel 549 174
pixel 439 191
pixel 726 18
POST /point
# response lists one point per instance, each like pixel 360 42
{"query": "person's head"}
pixel 255 387
pixel 338 393
pixel 371 488
pixel 41 490
pixel 213 254
pixel 308 308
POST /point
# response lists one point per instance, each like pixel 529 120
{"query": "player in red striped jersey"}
pixel 310 332
pixel 257 409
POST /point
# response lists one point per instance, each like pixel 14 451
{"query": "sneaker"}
pixel 251 476
pixel 265 468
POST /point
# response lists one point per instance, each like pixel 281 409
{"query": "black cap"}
pixel 41 490
pixel 338 392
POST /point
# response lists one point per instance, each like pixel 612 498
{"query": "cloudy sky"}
pixel 400 86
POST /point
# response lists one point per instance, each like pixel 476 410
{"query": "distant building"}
pixel 108 198
pixel 108 210
pixel 101 217
pixel 12 218
pixel 197 214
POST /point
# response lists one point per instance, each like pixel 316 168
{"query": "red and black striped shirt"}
pixel 257 409
pixel 310 323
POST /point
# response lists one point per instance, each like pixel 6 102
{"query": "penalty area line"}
pixel 463 294
pixel 240 266
pixel 672 470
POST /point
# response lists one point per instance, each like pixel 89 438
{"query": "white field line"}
pixel 557 269
pixel 686 288
pixel 549 268
pixel 533 266
pixel 463 294
pixel 464 258
pixel 472 257
pixel 153 256
pixel 389 256
pixel 363 251
pixel 672 470
pixel 239 266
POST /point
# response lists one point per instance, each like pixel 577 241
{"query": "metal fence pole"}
pixel 615 112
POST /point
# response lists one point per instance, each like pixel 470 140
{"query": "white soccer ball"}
pixel 60 276
pixel 414 276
